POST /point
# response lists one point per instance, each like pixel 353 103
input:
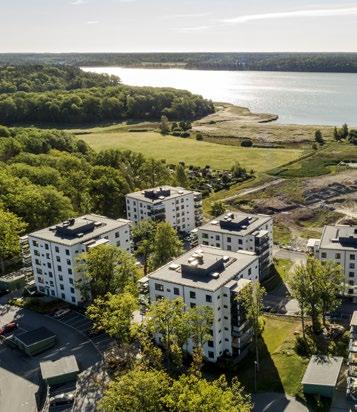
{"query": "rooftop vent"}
pixel 215 275
pixel 97 224
pixel 180 192
pixel 225 259
pixel 214 222
pixel 80 234
pixel 161 197
pixel 52 228
pixel 174 266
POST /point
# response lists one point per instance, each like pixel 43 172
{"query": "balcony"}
pixel 352 371
pixel 353 346
pixel 352 359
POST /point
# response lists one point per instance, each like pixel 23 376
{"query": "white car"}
pixel 61 312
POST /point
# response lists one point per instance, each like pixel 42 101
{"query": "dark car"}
pixel 62 399
pixel 9 327
pixel 4 292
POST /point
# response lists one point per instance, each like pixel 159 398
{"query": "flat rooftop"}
pixel 79 230
pixel 35 336
pixel 63 366
pixel 339 237
pixel 236 222
pixel 322 370
pixel 158 194
pixel 204 267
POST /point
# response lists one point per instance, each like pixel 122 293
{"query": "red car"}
pixel 9 327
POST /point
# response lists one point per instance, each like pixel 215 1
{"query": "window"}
pixel 39 280
pixel 51 283
pixel 70 281
pixel 159 287
pixel 338 256
pixel 73 299
pixel 36 253
pixel 59 268
pixel 218 237
pixel 210 344
pixel 226 317
pixel 352 257
pixel 70 271
pixel 225 328
pixel 226 339
pixel 57 249
pixel 205 243
pixel 204 236
pixel 193 295
pixel 208 298
pixel 67 252
pixel 49 265
pixel 118 243
pixel 58 259
pixel 218 245
pixel 240 242
pixel 35 243
pixel 193 305
pixel 72 291
pixel 229 239
pixel 350 291
pixel 323 255
pixel 351 274
pixel 39 271
pixel 46 246
pixel 63 296
pixel 61 286
pixel 176 291
pixel 229 247
pixel 52 292
pixel 47 255
pixel 50 274
pixel 249 271
pixel 352 265
pixel 60 277
pixel 351 282
pixel 68 262
pixel 225 306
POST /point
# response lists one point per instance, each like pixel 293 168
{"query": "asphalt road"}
pixel 20 374
pixel 277 402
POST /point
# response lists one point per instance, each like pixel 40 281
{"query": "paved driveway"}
pixel 20 375
pixel 277 402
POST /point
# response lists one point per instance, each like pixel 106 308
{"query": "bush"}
pixel 246 143
pixel 199 136
pixel 184 134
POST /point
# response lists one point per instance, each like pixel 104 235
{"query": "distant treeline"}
pixel 301 62
pixel 51 94
pixel 42 78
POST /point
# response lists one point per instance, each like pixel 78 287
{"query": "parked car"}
pixel 92 333
pixel 4 292
pixel 9 327
pixel 60 313
pixel 62 399
pixel 267 308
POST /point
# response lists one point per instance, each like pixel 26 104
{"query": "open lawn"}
pixel 281 369
pixel 192 152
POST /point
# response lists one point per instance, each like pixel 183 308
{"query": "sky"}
pixel 177 25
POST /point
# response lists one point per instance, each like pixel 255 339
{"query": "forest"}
pixel 300 62
pixel 36 95
pixel 47 176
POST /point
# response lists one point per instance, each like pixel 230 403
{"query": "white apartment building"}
pixel 241 231
pixel 54 251
pixel 339 243
pixel 180 207
pixel 211 277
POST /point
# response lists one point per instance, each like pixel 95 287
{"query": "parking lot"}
pixel 82 325
pixel 19 373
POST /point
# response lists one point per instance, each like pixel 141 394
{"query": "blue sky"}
pixel 171 25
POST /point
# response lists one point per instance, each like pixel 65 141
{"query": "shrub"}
pixel 199 136
pixel 246 143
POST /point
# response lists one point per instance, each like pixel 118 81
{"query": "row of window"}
pixel 338 256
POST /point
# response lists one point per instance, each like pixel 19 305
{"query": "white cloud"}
pixel 92 22
pixel 77 2
pixel 192 29
pixel 346 11
pixel 186 16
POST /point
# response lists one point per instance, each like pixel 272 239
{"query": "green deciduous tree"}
pixel 318 138
pixel 11 226
pixel 143 235
pixel 137 391
pixel 167 245
pixel 164 125
pixel 192 393
pixel 181 177
pixel 217 209
pixel 107 269
pixel 251 298
pixel 114 313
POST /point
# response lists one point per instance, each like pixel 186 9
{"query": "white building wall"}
pixel 55 265
pixel 220 304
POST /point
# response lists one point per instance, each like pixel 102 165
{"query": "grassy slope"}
pixel 192 152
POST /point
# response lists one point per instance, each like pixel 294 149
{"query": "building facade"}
pixel 236 231
pixel 352 359
pixel 211 277
pixel 339 243
pixel 180 207
pixel 55 250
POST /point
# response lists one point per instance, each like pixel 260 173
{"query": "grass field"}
pixel 281 369
pixel 192 152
